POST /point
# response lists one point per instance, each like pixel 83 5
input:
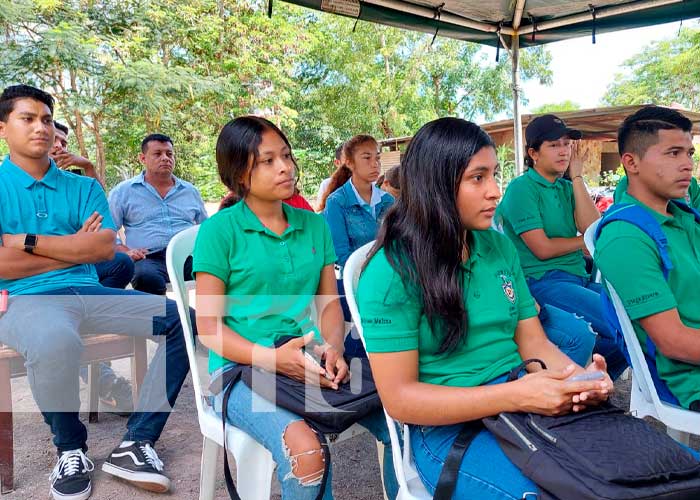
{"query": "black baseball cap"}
pixel 549 128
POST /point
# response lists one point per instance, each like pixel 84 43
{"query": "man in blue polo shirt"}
pixel 54 227
pixel 153 207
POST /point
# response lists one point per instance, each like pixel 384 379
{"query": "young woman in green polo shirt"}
pixel 446 313
pixel 259 265
pixel 543 213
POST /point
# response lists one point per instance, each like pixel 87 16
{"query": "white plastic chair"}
pixel 410 484
pixel 644 400
pixel 254 464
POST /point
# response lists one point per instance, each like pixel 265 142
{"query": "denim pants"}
pixel 581 296
pixel 115 273
pixel 46 330
pixel 486 473
pixel 266 423
pixel 570 333
pixel 151 273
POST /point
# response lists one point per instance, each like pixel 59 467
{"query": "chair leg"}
pixel 254 468
pixel 681 437
pixel 380 456
pixel 207 475
pixel 93 391
pixel 139 365
pixel 6 438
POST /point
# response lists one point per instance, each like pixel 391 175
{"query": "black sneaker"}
pixel 70 479
pixel 139 464
pixel 116 396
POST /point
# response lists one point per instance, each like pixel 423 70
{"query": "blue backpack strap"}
pixel 636 215
pixel 642 219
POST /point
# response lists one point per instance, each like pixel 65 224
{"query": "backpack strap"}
pixel 448 475
pixel 641 218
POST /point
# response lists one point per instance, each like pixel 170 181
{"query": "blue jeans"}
pixel 581 296
pixel 151 273
pixel 115 273
pixel 569 332
pixel 486 473
pixel 266 423
pixel 46 330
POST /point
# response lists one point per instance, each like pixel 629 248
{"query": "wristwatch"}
pixel 30 243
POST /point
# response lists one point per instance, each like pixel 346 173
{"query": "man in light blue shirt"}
pixel 54 226
pixel 153 207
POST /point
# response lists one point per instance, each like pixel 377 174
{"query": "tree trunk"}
pixel 100 161
pixel 78 119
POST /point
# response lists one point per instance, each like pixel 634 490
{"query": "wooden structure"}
pixel 599 127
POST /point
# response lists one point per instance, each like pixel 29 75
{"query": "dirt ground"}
pixel 355 467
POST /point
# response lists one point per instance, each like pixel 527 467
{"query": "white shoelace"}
pixel 152 457
pixel 69 464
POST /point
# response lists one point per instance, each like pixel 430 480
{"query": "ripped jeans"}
pixel 267 423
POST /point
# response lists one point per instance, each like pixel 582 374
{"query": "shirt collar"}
pixel 250 222
pixel 49 180
pixel 141 179
pixel 374 200
pixel 660 218
pixel 535 176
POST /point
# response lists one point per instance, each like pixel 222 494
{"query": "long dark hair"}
pixel 422 233
pixel 343 172
pixel 237 146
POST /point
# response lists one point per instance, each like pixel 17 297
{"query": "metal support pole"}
pixel 517 122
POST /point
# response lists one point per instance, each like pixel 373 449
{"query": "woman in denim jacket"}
pixel 354 208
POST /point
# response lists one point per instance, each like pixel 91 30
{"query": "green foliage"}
pixel 611 177
pixel 556 107
pixel 506 165
pixel 121 69
pixel 664 73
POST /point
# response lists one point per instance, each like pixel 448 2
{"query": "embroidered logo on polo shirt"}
pixel 313 250
pixel 508 289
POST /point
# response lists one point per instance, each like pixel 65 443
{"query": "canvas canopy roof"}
pixel 480 20
pixel 513 23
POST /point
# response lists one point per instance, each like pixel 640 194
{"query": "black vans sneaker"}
pixel 70 479
pixel 139 464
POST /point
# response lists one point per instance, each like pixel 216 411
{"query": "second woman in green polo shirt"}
pixel 259 266
pixel 446 313
pixel 543 213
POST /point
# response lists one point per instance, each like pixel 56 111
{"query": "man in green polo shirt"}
pixel 657 153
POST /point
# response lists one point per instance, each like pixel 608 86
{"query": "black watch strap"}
pixel 30 242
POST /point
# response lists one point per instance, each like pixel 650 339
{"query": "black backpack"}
pixel 598 454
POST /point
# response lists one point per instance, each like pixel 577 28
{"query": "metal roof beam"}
pixel 447 17
pixel 601 12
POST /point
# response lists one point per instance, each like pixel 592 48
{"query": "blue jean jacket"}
pixel 350 224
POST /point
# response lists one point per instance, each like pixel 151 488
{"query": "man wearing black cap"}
pixel 543 214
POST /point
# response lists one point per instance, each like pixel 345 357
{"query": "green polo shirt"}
pixel 630 261
pixel 270 279
pixel 532 202
pixel 496 297
pixel 692 198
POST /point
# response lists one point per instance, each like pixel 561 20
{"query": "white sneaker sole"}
pixel 151 482
pixel 83 495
